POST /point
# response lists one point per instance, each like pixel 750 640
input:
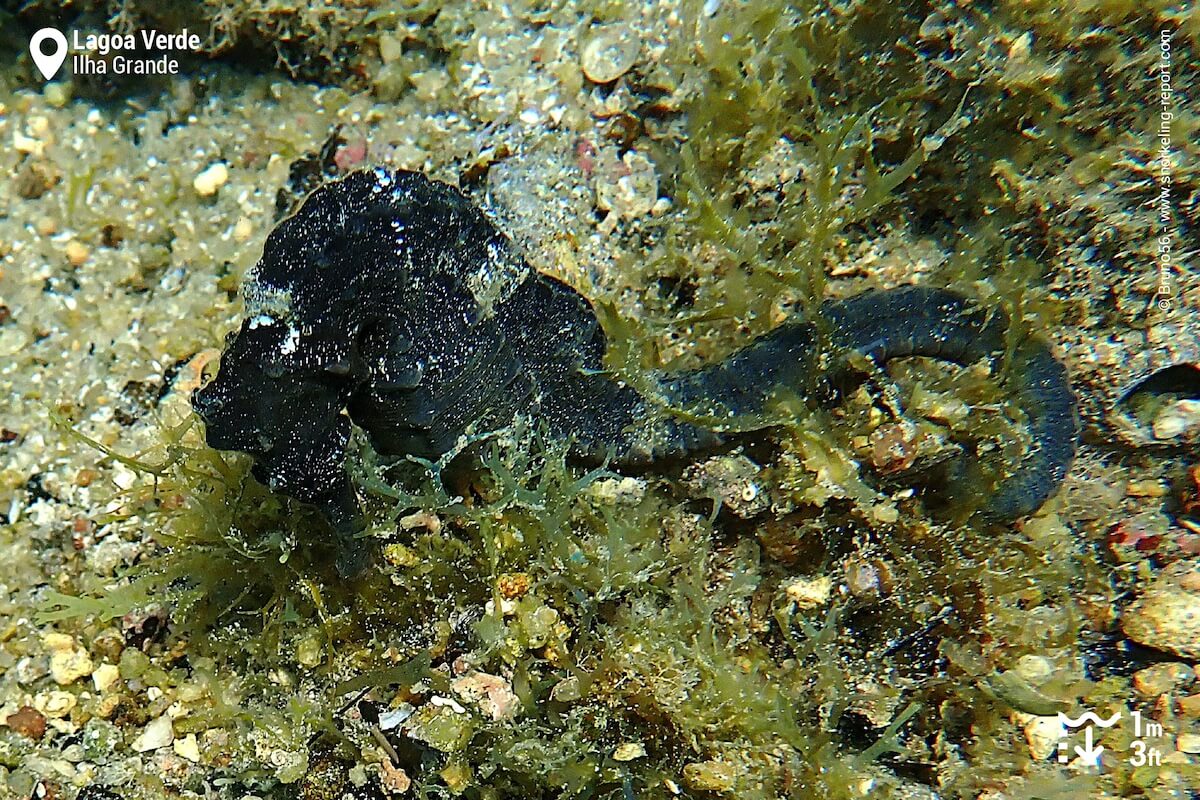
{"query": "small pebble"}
pixel 12 340
pixel 568 690
pixel 1188 743
pixel 1146 488
pixel 77 253
pixel 242 229
pixel 188 748
pixel 108 706
pixel 105 676
pixel 397 554
pixel 456 775
pixel 863 578
pixel 809 593
pixel 210 180
pixel 628 751
pixel 1177 420
pixel 1167 614
pixel 39 126
pixel 1034 668
pixel 1042 734
pixel 1162 678
pixel 394 780
pixel 885 513
pixel 56 704
pixel 158 733
pixel 1019 49
pixel 28 722
pixel 1188 707
pixel 310 650
pixel 442 725
pixel 27 144
pixel 492 694
pixel 421 519
pixel 626 491
pixel 894 446
pixel 68 661
pixel 628 187
pixel 57 94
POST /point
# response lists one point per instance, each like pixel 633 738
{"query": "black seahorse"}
pixel 391 301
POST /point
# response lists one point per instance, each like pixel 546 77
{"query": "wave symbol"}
pixel 1089 716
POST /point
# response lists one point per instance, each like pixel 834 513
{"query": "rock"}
pixel 625 491
pixel 1035 669
pixel 708 776
pixel 568 690
pixel 12 340
pixel 628 751
pixel 394 780
pixel 809 593
pixel 1042 734
pixel 627 187
pixel 1022 696
pixel 1189 706
pixel 863 578
pixel 68 661
pixel 1162 678
pixel 28 722
pixel 1188 743
pixel 609 53
pixel 1179 419
pixel 56 704
pixel 188 748
pixel 440 727
pixel 894 446
pixel 492 694
pixel 158 733
pixel 77 253
pixel 210 180
pixel 104 676
pixel 1167 614
pixel 457 776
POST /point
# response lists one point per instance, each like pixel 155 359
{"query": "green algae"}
pixel 659 620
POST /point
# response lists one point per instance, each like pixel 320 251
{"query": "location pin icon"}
pixel 48 63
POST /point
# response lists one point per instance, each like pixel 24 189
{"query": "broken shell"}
pixel 1177 420
pixel 609 53
pixel 1141 378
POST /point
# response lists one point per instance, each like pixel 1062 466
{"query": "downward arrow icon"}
pixel 1089 754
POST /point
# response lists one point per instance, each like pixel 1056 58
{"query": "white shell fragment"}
pixel 609 52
